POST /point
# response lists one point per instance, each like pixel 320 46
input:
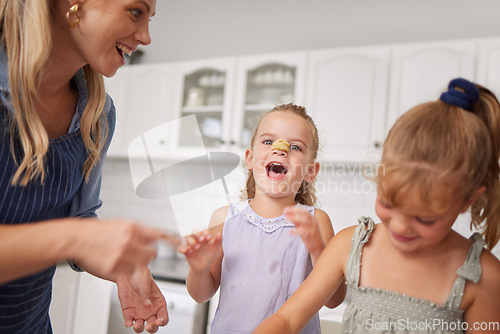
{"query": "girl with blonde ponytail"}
pixel 412 272
pixel 56 123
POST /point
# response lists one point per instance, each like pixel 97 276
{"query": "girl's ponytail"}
pixel 487 208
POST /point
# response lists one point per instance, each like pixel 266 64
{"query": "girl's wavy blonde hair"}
pixel 307 193
pixel 25 28
pixel 436 142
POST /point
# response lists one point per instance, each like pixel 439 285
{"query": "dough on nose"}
pixel 281 145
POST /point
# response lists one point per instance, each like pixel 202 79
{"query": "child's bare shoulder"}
pixel 342 240
pixel 483 296
pixel 490 266
pixel 218 218
pixel 322 217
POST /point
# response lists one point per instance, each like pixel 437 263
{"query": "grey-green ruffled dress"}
pixel 380 311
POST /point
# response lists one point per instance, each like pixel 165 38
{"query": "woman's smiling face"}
pixel 108 28
pixel 277 172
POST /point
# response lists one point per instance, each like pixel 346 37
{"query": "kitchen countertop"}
pixel 173 269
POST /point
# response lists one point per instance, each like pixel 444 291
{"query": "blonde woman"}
pixel 56 123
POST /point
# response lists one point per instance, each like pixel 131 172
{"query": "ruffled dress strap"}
pixel 470 270
pixel 360 237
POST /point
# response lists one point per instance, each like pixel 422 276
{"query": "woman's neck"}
pixel 64 61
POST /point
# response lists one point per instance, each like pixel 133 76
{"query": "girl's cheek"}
pixel 381 212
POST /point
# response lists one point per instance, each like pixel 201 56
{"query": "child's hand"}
pixel 201 249
pixel 307 227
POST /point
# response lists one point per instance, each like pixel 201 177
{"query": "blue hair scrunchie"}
pixel 465 99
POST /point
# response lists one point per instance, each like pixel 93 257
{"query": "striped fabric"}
pixel 24 303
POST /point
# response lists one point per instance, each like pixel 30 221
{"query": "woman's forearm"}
pixel 28 248
pixel 106 248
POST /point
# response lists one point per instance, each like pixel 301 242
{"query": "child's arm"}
pixel 204 254
pixel 322 282
pixel 316 232
pixel 483 315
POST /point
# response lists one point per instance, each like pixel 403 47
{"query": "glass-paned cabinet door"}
pixel 263 83
pixel 205 90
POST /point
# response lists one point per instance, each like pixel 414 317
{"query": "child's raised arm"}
pixel 325 278
pixel 315 232
pixel 203 252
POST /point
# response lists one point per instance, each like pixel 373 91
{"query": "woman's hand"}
pixel 113 248
pixel 143 305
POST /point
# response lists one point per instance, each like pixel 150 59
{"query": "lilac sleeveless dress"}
pixel 263 265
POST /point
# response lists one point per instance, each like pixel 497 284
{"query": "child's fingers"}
pixel 216 240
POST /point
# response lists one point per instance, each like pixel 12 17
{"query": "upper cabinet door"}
pixel 204 89
pixel 421 72
pixel 488 65
pixel 265 81
pixel 143 99
pixel 346 96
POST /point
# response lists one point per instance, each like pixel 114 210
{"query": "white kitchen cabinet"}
pixel 488 65
pixel 264 81
pixel 346 96
pixel 143 96
pixel 420 72
pixel 354 95
pixel 204 88
pixel 228 94
pixel 64 298
pixel 80 302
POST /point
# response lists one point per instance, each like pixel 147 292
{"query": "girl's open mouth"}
pixel 276 170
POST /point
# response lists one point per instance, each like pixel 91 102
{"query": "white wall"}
pixel 194 29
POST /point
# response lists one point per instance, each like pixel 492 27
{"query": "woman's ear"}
pixel 479 191
pixel 312 171
pixel 248 159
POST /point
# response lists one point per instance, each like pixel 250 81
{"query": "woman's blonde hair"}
pixel 307 193
pixel 437 142
pixel 25 27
